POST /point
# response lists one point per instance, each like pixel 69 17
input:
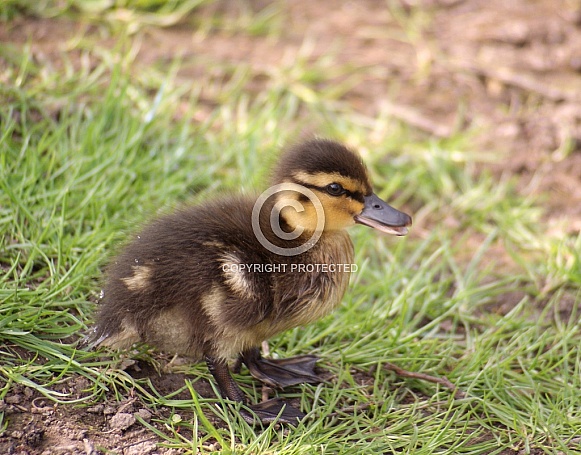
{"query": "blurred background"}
pixel 506 72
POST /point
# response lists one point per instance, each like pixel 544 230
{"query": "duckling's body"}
pixel 198 285
pixel 201 283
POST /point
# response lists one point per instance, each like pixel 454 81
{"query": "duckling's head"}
pixel 339 180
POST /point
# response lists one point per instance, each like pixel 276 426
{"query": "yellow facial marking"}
pixel 322 179
pixel 338 210
pixel 140 278
pixel 300 215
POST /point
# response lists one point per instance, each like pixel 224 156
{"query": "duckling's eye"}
pixel 335 189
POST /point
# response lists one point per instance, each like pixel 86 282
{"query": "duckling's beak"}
pixel 383 217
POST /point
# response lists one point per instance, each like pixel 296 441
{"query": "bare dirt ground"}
pixel 508 71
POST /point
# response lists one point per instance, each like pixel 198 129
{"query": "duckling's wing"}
pixel 186 279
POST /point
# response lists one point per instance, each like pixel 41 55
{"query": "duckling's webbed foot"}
pixel 275 409
pixel 266 412
pixel 282 373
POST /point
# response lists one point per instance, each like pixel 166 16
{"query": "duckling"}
pixel 213 281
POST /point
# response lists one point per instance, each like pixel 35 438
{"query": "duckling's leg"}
pixel 268 411
pixel 284 372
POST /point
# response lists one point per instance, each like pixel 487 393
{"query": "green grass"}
pixel 476 293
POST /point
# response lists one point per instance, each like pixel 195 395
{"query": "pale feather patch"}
pixel 230 345
pixel 234 275
pixel 214 243
pixel 171 331
pixel 124 339
pixel 212 305
pixel 233 341
pixel 140 278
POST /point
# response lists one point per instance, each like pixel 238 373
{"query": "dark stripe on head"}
pixel 318 156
